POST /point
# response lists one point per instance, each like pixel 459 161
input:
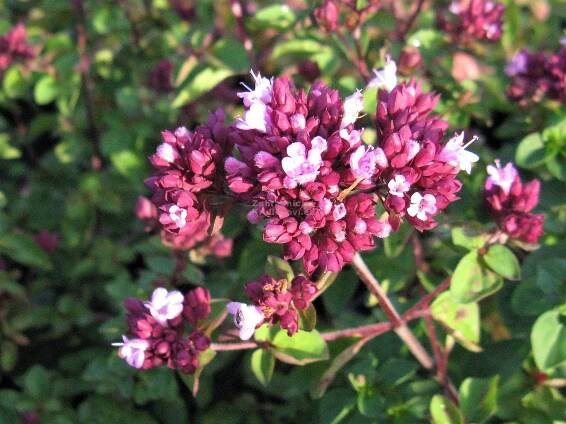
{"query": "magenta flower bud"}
pixel 47 240
pixel 196 305
pixel 160 77
pixel 200 341
pixel 327 15
pixel 145 210
pixel 409 60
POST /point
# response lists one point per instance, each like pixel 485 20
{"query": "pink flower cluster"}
pixel 14 47
pixel 280 300
pixel 510 202
pixel 197 238
pixel 188 180
pixel 157 329
pixel 537 75
pixel 419 180
pixel 469 20
pixel 301 164
pixel 304 167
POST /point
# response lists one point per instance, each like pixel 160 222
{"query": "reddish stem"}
pixel 416 348
pixel 238 11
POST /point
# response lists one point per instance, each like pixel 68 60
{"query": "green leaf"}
pixel 469 237
pixel 279 268
pixel 461 320
pixel 548 339
pixel 530 152
pixel 471 281
pixel 7 151
pixel 371 403
pixel 201 83
pixel 297 46
pixel 232 54
pixel 478 398
pixel 443 411
pixel 307 318
pixel 37 383
pixel 304 347
pixel 14 83
pixel 263 364
pixel 503 261
pixel 129 164
pixel 24 250
pixel 46 90
pixel 277 16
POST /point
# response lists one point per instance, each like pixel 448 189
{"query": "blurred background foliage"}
pixel 77 123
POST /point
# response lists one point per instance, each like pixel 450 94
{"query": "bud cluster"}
pixel 299 161
pixel 14 47
pixel 470 20
pixel 510 202
pixel 280 300
pixel 157 330
pixel 537 75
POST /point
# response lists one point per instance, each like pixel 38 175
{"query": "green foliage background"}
pixel 59 312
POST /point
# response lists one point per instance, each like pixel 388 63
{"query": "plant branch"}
pixel 87 83
pixel 238 11
pixel 412 20
pixel 400 327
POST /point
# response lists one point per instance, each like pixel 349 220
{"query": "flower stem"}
pixel 399 325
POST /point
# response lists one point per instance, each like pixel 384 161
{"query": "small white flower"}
pixel 363 161
pixel 246 318
pixel 398 186
pixel 502 177
pixel 339 211
pixel 360 227
pixel 353 105
pixel 454 153
pixel 301 166
pixel 413 147
pixel 261 92
pixel 167 152
pixel 178 215
pixel 298 121
pixel 386 77
pixel 353 137
pixel 165 305
pixel 133 351
pixel 255 118
pixel 422 206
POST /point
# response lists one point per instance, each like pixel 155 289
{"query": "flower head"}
pixel 353 105
pixel 422 206
pixel 454 153
pixel 261 93
pixel 502 177
pixel 302 166
pixel 398 186
pixel 246 318
pixel 386 77
pixel 364 161
pixel 165 305
pixel 133 351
